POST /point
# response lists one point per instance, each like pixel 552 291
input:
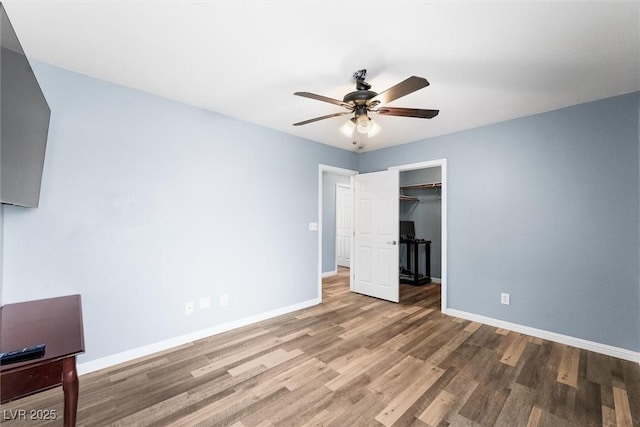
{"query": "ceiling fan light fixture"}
pixel 348 128
pixel 363 124
pixel 374 129
pixel 366 126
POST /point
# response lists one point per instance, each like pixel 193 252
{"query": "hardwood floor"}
pixel 359 361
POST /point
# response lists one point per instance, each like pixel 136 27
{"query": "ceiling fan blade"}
pixel 328 116
pixel 323 98
pixel 403 88
pixel 407 112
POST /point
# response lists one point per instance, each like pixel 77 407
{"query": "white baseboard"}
pixel 609 350
pixel 436 280
pixel 126 356
pixel 329 273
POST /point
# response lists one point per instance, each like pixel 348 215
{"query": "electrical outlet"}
pixel 224 300
pixel 204 303
pixel 505 298
pixel 188 308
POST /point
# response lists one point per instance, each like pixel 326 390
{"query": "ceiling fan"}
pixel 363 100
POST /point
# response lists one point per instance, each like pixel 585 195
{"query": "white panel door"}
pixel 376 225
pixel 344 224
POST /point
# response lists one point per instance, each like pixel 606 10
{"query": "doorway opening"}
pixel 427 173
pixel 329 177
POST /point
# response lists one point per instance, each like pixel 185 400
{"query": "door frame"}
pixel 340 171
pixel 442 163
pixel 347 186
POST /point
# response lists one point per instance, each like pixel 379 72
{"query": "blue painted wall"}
pixel 545 208
pixel 148 203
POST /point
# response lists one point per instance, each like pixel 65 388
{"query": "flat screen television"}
pixel 24 123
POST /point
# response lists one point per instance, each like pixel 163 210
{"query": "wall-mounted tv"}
pixel 24 123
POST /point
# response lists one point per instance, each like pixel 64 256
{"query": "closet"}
pixel 420 225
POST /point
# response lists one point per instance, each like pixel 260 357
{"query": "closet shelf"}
pixel 426 185
pixel 421 186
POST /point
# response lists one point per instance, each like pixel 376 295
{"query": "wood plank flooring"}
pixel 358 361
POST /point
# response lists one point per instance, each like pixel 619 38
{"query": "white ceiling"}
pixel 486 61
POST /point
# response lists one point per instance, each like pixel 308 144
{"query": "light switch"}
pixel 313 226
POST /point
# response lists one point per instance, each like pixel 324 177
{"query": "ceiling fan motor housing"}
pixel 359 97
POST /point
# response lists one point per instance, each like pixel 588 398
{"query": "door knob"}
pixel 393 242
